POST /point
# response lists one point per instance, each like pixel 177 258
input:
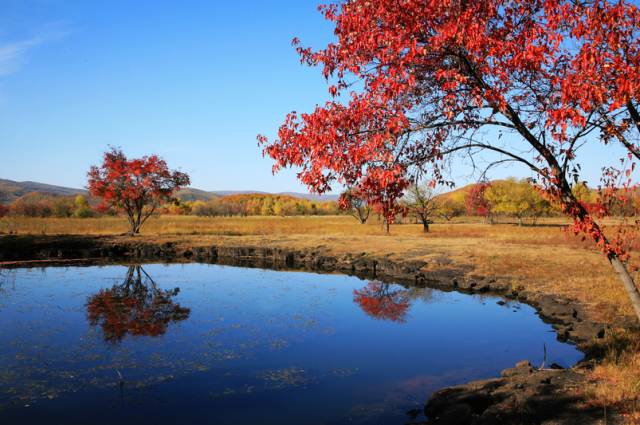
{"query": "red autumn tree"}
pixel 136 186
pixel 377 195
pixel 380 301
pixel 382 188
pixel 437 79
pixel 475 202
pixel 135 307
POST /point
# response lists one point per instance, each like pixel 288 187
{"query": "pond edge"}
pixel 475 403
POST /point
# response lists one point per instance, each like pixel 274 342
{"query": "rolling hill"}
pixel 192 194
pixel 11 190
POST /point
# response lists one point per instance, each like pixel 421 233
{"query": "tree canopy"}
pixel 136 186
pixel 440 77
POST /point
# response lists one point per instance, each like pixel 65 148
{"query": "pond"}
pixel 200 343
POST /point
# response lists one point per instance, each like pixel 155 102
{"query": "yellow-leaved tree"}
pixel 516 198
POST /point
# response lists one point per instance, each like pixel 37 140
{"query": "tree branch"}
pixel 495 149
pixel 635 115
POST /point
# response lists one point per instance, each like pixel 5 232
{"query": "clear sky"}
pixel 194 82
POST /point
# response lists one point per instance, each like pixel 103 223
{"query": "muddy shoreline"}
pixel 522 395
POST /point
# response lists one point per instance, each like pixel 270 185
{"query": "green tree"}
pixel 82 208
pixel 582 192
pixel 62 207
pixel 201 208
pixel 267 206
pixel 449 206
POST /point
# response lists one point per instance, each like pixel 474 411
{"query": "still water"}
pixel 211 344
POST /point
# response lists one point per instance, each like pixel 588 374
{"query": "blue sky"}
pixel 192 81
pixel 194 84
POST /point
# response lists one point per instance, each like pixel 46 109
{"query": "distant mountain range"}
pixel 11 190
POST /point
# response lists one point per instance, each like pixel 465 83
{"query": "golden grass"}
pixel 186 225
pixel 615 382
pixel 544 259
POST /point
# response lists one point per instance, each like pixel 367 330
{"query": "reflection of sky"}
pixel 262 337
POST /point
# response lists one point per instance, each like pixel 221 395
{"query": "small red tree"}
pixel 475 202
pixel 136 186
pixel 378 192
pixel 447 77
pixel 382 188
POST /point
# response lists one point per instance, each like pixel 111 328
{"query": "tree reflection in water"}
pixel 380 301
pixel 136 307
pixel 391 302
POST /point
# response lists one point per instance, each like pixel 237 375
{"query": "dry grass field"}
pixel 545 258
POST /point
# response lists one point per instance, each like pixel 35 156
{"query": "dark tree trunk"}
pixel 425 224
pixel 362 214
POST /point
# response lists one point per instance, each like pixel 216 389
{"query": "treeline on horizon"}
pixel 513 198
pixel 38 204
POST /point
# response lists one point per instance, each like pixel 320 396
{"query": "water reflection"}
pixel 7 280
pixel 390 302
pixel 136 307
pixel 380 301
pixel 6 276
pixel 259 346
